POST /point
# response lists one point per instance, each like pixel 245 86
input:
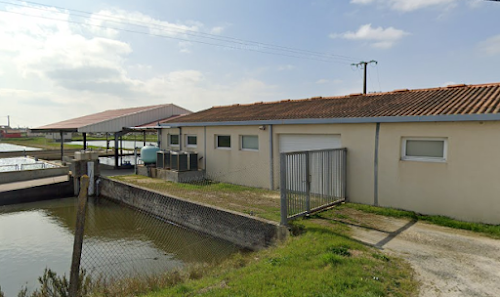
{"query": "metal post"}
pixel 375 166
pixel 121 150
pixel 283 190
pixel 271 158
pixel 62 145
pixel 78 242
pixel 308 184
pixel 107 142
pixel 144 138
pixel 116 150
pixel 84 141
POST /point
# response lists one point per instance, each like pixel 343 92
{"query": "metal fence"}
pixel 311 180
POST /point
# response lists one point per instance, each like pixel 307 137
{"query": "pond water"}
pixel 7 147
pixel 118 242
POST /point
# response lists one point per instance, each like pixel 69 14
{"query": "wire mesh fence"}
pixel 143 227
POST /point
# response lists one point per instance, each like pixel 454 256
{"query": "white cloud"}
pixel 408 5
pixel 217 30
pixel 379 37
pixel 491 46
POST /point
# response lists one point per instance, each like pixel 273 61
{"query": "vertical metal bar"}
pixel 84 141
pixel 78 242
pixel 344 172
pixel 271 158
pixel 283 190
pixel 116 150
pixel 308 183
pixel 375 166
pixel 62 144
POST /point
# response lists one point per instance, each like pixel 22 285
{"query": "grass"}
pixel 321 261
pixel 39 142
pixel 253 201
pixel 318 260
pixel 489 230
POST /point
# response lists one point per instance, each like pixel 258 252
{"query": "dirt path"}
pixel 447 262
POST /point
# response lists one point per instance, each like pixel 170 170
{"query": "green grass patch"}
pixel 39 142
pixel 489 230
pixel 322 261
pixel 252 201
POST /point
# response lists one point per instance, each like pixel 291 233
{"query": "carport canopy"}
pixel 116 121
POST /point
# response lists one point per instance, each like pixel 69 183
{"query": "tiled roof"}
pixel 73 124
pixel 450 100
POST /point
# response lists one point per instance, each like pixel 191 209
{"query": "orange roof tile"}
pixel 451 100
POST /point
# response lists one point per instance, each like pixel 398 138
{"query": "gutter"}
pixel 394 119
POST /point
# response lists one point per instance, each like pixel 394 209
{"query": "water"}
pixel 7 147
pixel 127 144
pixel 22 163
pixel 118 242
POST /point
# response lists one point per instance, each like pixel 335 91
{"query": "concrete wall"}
pixel 23 175
pixel 465 187
pixel 234 165
pixel 240 229
pixel 46 192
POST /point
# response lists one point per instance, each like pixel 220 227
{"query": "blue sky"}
pixel 81 57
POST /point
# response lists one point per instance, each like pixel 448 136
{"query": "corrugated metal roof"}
pixel 451 100
pixel 115 120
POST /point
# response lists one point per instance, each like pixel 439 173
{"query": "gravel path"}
pixel 447 262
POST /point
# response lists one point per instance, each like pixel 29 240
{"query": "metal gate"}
pixel 311 181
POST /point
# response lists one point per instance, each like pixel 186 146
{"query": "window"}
pixel 191 140
pixel 250 142
pixel 174 139
pixel 424 149
pixel 223 141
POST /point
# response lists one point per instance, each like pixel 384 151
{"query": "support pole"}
pixel 283 190
pixel 62 145
pixel 364 65
pixel 79 233
pixel 116 150
pixel 271 158
pixel 84 141
pixel 144 138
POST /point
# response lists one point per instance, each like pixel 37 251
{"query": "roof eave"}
pixel 391 119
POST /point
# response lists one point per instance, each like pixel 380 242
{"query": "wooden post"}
pixel 79 232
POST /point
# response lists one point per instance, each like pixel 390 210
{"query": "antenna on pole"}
pixel 364 64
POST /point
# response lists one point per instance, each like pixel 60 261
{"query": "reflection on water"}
pixel 7 147
pixel 118 242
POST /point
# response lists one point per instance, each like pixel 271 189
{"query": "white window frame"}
pixel 187 142
pixel 443 159
pixel 170 140
pixel 249 149
pixel 222 147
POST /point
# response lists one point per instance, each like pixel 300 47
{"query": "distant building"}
pixel 67 136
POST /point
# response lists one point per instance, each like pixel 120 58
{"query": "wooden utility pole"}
pixel 364 64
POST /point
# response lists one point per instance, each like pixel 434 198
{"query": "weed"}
pixel 381 257
pixel 339 250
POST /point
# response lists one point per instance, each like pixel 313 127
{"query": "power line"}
pixel 325 57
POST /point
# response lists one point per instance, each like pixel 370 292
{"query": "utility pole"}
pixel 8 121
pixel 364 64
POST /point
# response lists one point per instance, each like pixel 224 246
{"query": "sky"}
pixel 64 59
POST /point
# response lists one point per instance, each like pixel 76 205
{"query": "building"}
pixel 433 151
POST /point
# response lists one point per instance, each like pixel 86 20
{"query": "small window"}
pixel 223 141
pixel 174 139
pixel 424 149
pixel 250 142
pixel 191 140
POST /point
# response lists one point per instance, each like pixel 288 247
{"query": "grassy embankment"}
pixel 265 203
